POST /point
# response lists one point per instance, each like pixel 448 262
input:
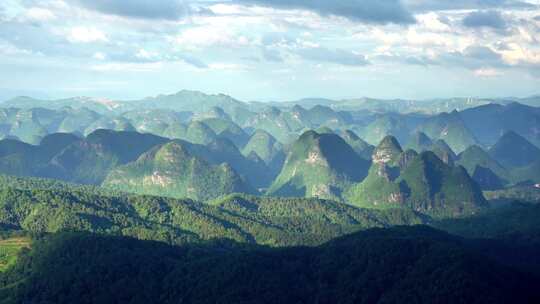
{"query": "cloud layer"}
pixel 490 19
pixel 154 9
pixel 272 49
pixel 370 11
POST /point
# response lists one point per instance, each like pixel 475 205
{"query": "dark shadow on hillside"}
pixel 397 265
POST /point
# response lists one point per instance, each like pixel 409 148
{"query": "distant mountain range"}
pixel 196 101
pixel 199 118
pixel 432 180
pixel 198 146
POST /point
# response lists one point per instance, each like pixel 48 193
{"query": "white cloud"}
pixel 99 56
pixel 8 49
pixel 39 14
pixel 146 55
pixel 423 38
pixel 81 34
pixel 517 54
pixel 227 66
pixel 236 38
pixel 226 9
pixel 127 67
pixel 206 36
pixel 432 21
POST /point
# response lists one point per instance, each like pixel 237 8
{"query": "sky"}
pixel 270 49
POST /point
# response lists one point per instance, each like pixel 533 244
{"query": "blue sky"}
pixel 270 49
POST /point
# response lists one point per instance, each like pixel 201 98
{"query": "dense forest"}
pixel 411 264
pixel 90 243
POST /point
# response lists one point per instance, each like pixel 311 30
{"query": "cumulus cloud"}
pixel 369 11
pixel 99 56
pixel 39 14
pixel 208 36
pixel 81 34
pixel 275 35
pixel 145 9
pixel 485 19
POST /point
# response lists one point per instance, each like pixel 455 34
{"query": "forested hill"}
pixel 398 265
pixel 250 219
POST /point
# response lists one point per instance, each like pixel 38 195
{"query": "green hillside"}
pixel 489 122
pixel 117 124
pixel 262 220
pixel 383 126
pixel 199 133
pixel 475 160
pixel 450 128
pixel 419 142
pixel 284 126
pixel 155 121
pixel 89 160
pixel 404 264
pixel 28 131
pixel 512 150
pixel 186 100
pixel 359 145
pixel 420 182
pixel 77 120
pixel 319 165
pixel 171 170
pixel 267 148
pixel 444 152
pixel 227 129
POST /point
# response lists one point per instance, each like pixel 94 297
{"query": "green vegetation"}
pixel 475 159
pixel 171 170
pixel 489 122
pixel 282 126
pixel 10 249
pixel 512 150
pixel 360 146
pixel 444 152
pixel 267 148
pixel 89 161
pixel 510 221
pixel 420 142
pixel 404 264
pixel 271 221
pixel 319 165
pixel 227 129
pixel 388 151
pixel 524 193
pixel 422 183
pixel 157 203
pixel 385 125
pixel 519 156
pixel 199 133
pixel 450 128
